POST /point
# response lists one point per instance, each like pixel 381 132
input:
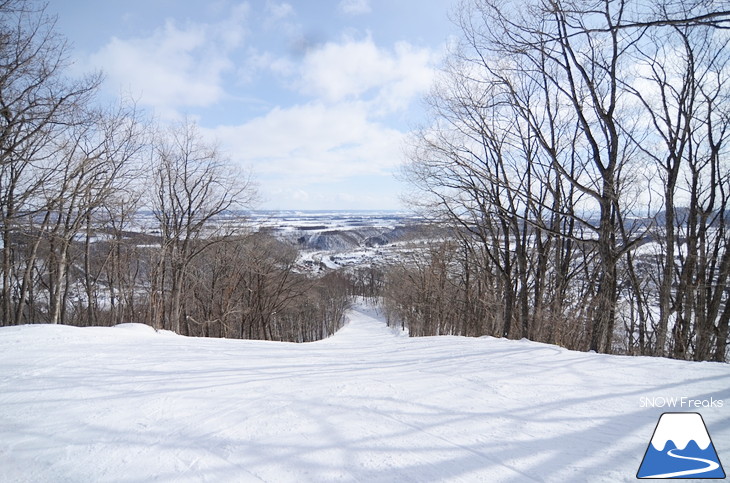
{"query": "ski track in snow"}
pixel 128 404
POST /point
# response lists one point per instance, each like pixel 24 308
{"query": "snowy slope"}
pixel 129 404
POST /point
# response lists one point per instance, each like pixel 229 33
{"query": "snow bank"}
pixel 131 404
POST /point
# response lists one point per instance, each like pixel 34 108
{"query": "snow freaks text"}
pixel 679 402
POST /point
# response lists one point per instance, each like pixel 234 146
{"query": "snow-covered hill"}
pixel 131 404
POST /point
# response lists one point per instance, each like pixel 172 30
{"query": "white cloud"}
pixel 356 69
pixel 232 30
pixel 354 7
pixel 257 61
pixel 315 155
pixel 176 66
pixel 312 142
pixel 332 150
pixel 315 150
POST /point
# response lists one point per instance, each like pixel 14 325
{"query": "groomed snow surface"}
pixel 128 404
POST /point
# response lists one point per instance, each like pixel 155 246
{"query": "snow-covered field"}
pixel 129 404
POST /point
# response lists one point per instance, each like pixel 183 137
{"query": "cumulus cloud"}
pixel 329 131
pixel 317 154
pixel 177 66
pixel 337 135
pixel 353 69
pixel 314 141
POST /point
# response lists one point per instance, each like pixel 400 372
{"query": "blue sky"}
pixel 316 97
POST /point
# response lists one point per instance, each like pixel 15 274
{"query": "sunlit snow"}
pixel 368 404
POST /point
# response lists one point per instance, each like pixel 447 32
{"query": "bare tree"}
pixel 549 121
pixel 532 113
pixel 248 287
pixel 118 140
pixel 37 104
pixel 95 161
pixel 193 185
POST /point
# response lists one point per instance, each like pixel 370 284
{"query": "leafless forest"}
pixel 575 164
pixel 579 151
pixel 73 179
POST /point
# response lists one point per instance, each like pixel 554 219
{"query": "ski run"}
pixel 128 404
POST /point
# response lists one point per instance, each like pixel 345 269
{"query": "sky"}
pixel 315 97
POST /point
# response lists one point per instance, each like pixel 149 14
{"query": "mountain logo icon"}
pixel 681 448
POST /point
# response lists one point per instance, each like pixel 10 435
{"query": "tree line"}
pixel 74 178
pixel 576 162
pixel 578 152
